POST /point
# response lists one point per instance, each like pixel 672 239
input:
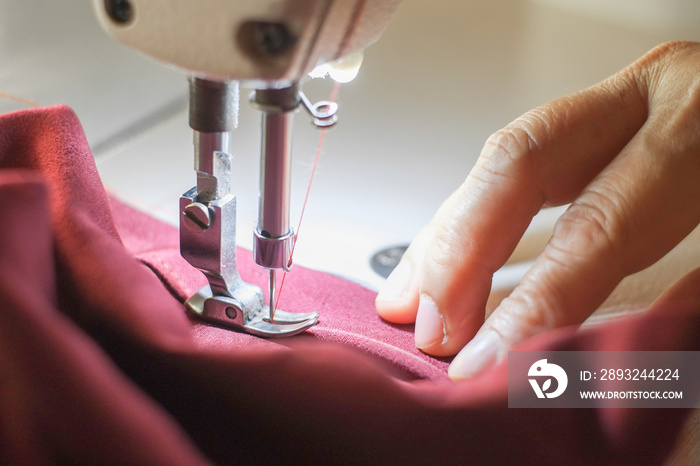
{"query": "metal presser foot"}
pixel 208 241
pixel 208 216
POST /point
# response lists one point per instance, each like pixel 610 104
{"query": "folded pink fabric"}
pixel 99 363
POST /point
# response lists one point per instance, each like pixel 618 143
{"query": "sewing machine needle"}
pixel 272 284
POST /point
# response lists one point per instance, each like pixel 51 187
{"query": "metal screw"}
pixel 197 217
pixel 231 312
pixel 120 11
pixel 263 40
pixel 273 38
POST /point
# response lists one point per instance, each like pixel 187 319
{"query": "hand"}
pixel 625 153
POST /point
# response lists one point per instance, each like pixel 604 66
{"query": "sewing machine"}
pixel 271 45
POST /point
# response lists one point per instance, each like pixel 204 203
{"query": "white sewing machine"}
pixel 270 45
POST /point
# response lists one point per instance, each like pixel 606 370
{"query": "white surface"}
pixel 445 76
pixel 54 52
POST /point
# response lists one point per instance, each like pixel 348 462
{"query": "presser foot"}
pixel 232 313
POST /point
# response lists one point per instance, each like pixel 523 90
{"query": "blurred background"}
pixel 446 74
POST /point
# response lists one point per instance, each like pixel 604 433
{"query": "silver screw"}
pixel 120 11
pixel 196 217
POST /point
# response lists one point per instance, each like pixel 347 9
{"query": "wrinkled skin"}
pixel 624 153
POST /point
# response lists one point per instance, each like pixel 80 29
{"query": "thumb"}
pixel 397 300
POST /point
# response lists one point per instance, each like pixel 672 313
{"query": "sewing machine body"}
pixel 259 41
pixel 271 45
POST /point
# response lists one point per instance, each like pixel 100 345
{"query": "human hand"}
pixel 625 153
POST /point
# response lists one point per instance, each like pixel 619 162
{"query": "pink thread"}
pixel 31 103
pixel 319 147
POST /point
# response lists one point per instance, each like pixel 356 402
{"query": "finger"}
pixel 397 300
pixel 545 157
pixel 619 225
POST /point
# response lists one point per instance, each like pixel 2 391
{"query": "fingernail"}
pixel 479 354
pixel 430 327
pixel 396 283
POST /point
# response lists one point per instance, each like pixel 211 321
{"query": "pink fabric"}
pixel 347 310
pixel 100 363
